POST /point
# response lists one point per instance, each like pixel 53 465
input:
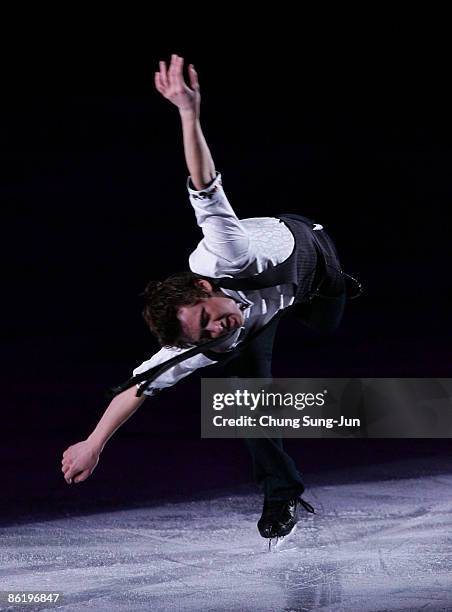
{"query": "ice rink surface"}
pixel 380 543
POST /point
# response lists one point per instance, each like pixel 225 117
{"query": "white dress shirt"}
pixel 236 248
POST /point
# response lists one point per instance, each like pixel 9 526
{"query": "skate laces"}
pixel 275 506
pixel 306 505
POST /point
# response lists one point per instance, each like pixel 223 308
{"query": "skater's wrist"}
pixel 96 443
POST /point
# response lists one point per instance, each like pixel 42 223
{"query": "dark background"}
pixel 351 131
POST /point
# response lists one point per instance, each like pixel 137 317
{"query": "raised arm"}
pixel 169 81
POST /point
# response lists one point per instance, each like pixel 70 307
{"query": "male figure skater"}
pixel 243 275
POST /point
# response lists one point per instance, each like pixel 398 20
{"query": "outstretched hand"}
pixel 171 84
pixel 79 462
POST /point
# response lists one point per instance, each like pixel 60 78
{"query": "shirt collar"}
pixel 239 297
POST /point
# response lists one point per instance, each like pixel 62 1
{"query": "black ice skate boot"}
pixel 279 517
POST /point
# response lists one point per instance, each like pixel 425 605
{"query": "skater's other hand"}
pixel 171 84
pixel 79 462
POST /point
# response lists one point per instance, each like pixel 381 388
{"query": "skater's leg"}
pixel 274 470
pixel 322 314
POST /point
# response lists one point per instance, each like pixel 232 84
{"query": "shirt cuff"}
pixel 150 391
pixel 208 190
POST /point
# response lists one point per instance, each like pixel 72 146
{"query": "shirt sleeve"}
pixel 174 374
pixel 225 247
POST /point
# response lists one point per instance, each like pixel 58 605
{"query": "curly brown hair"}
pixel 162 301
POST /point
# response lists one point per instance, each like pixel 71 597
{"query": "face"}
pixel 210 318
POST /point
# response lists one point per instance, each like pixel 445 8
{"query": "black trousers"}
pixel 274 470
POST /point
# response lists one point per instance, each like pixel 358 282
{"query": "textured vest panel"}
pixel 313 262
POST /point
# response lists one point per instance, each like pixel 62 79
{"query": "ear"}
pixel 200 282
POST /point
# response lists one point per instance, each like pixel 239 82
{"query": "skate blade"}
pixel 278 544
